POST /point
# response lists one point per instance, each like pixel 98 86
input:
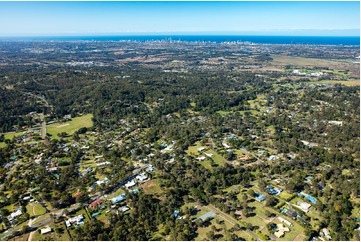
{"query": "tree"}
pixel 271 201
pixel 210 235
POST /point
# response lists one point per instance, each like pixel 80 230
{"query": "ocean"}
pixel 310 40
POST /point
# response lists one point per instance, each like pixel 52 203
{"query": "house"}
pixel 272 158
pixel 142 177
pixel 130 184
pixel 209 154
pixel 206 216
pixel 106 180
pixel 94 215
pixel 311 199
pixel 45 230
pixel 77 194
pixel 150 169
pixel 292 213
pixel 201 158
pixel 124 209
pixel 87 171
pixel 260 197
pixel 77 220
pixel 304 206
pixel 104 163
pixel 200 149
pixel 176 213
pixel 96 203
pixel 282 220
pixel 280 231
pixel 118 198
pixel 15 214
pixel 225 145
pixel 309 179
pixel 326 232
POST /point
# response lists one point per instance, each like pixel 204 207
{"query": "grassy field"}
pixel 71 126
pixel 221 112
pixel 343 82
pixel 10 136
pixel 52 235
pixel 116 193
pixel 301 61
pixel 152 187
pixel 217 158
pixel 35 209
pixel 84 164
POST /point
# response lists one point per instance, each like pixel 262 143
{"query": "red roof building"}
pixel 95 203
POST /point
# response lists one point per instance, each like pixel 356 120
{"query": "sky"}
pixel 91 18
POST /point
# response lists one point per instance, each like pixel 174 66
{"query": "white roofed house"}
pixel 130 184
pixel 15 214
pixel 45 230
pixel 201 158
pixel 142 177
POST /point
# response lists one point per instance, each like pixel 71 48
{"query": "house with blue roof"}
pixel 260 197
pixel 118 198
pixel 176 213
pixel 311 199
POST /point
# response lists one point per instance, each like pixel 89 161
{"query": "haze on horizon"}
pixel 112 18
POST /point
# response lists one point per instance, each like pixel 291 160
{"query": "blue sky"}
pixel 76 18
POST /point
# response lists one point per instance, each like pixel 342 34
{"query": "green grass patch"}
pixel 71 126
pixel 285 195
pixel 343 82
pixel 116 193
pixel 10 207
pixel 222 112
pixel 35 209
pixel 217 158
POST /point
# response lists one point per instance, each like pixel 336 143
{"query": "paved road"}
pixel 57 213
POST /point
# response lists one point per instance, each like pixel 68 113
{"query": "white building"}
pixel 130 184
pixel 45 230
pixel 15 214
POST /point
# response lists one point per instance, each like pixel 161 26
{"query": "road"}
pixel 43 127
pixel 32 225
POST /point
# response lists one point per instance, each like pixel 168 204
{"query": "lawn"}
pixel 71 126
pixel 10 136
pixel 41 218
pixel 35 209
pixel 301 61
pixel 84 164
pixel 221 112
pixel 10 207
pixel 192 150
pixel 116 193
pixel 152 187
pixel 52 235
pixel 343 82
pixel 217 158
pixel 103 218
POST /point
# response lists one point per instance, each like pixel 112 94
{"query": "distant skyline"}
pixel 129 18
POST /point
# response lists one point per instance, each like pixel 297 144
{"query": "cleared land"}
pixel 35 209
pixel 71 126
pixel 301 61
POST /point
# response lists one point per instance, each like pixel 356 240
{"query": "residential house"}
pixel 96 203
pixel 130 184
pixel 45 230
pixel 118 198
pixel 124 209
